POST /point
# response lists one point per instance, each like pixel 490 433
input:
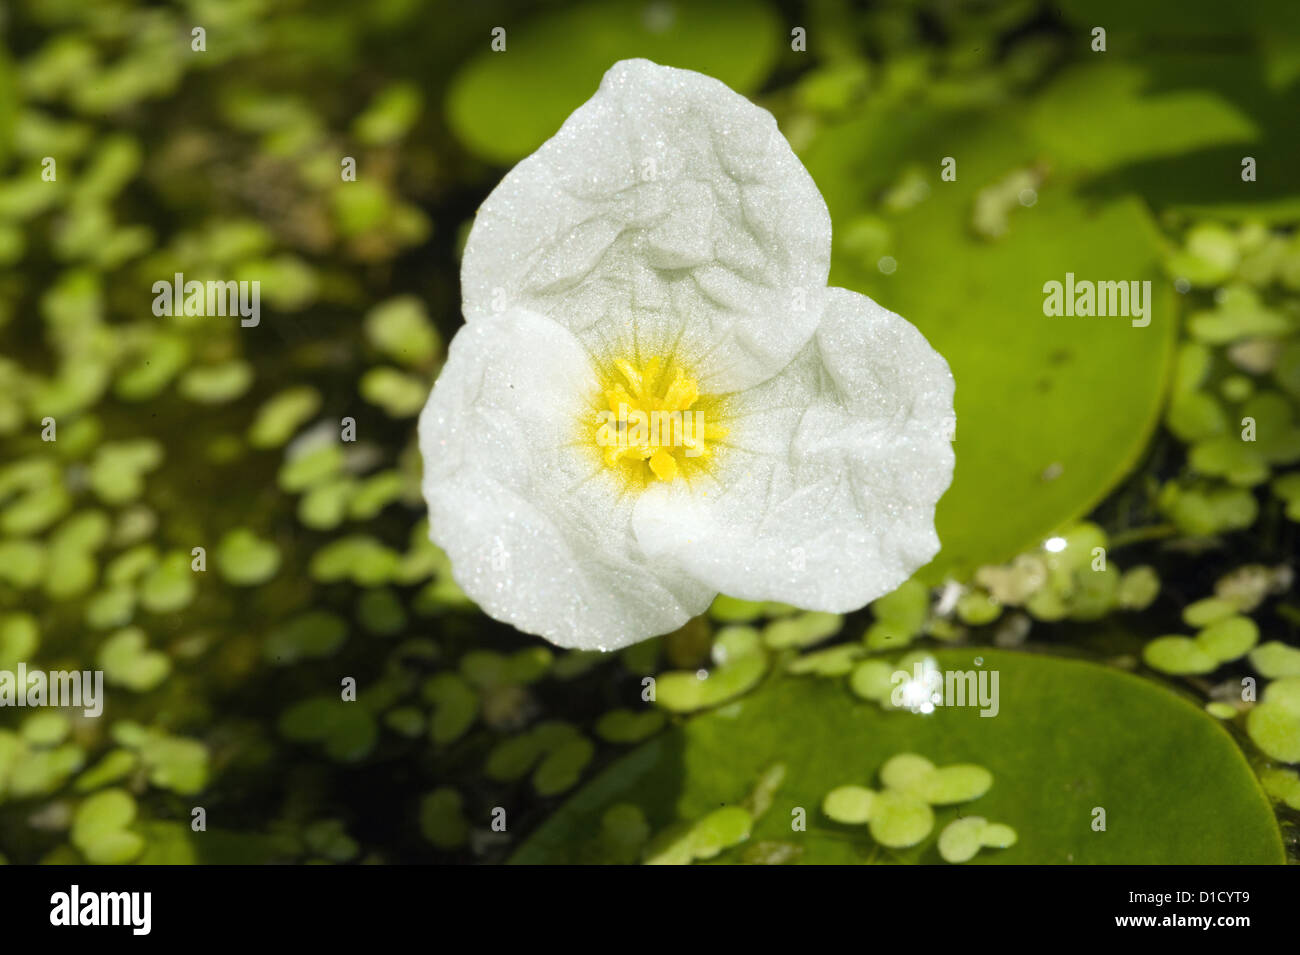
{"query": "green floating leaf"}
pixel 962 838
pixel 456 706
pixel 1229 638
pixel 1277 439
pixel 949 785
pixel 629 726
pixel 325 506
pixel 906 608
pixel 381 611
pixel 1196 416
pixel 401 395
pixel 496 108
pixel 347 729
pixel 22 563
pixel 1179 656
pixel 110 608
pixel 850 805
pixel 514 758
pixel 872 680
pixel 408 721
pixel 71 572
pixel 39 772
pixel 1138 588
pixel 46 729
pixel 906 771
pixel 485 668
pixel 1287 487
pixel 528 665
pixel 623 831
pixel 938 786
pixel 1228 457
pixel 127 661
pixel 1191 365
pixel 717 831
pixel 281 416
pixel 640 658
pixel 1154 123
pixel 1226 639
pixel 732 643
pixel 310 467
pixel 375 493
pixel 1202 613
pixel 287 282
pixel 976 608
pixel 802 630
pixel 442 818
pixel 1237 388
pixel 401 330
pixel 1238 314
pixel 1220 710
pixel 1275 659
pixel 127 567
pixel 114 767
pixel 1283 785
pixel 1096 384
pixel 556 749
pixel 118 469
pixel 19 638
pixel 363 559
pixel 330 839
pixel 685 691
pixel 886 635
pixel 577 662
pixel 835 661
pixel 563 766
pixel 390 115
pixel 159 361
pixel 1203 512
pixel 245 560
pixel 99 828
pixel 899 820
pixel 1146 749
pixel 170 586
pixel 1274 723
pixel 362 206
pixel 35 510
pixel 1287 370
pixel 317 633
pixel 216 384
pixel 733 610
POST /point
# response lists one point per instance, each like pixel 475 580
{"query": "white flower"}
pixel 665 252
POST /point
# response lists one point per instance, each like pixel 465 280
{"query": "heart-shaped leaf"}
pixel 1068 739
pixel 1052 410
pixel 498 109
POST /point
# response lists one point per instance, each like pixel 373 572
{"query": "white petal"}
pixel 825 492
pixel 537 532
pixel 667 207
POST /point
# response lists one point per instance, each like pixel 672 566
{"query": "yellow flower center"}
pixel 652 423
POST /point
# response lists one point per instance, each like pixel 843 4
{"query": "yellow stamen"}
pixel 651 421
pixel 664 465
